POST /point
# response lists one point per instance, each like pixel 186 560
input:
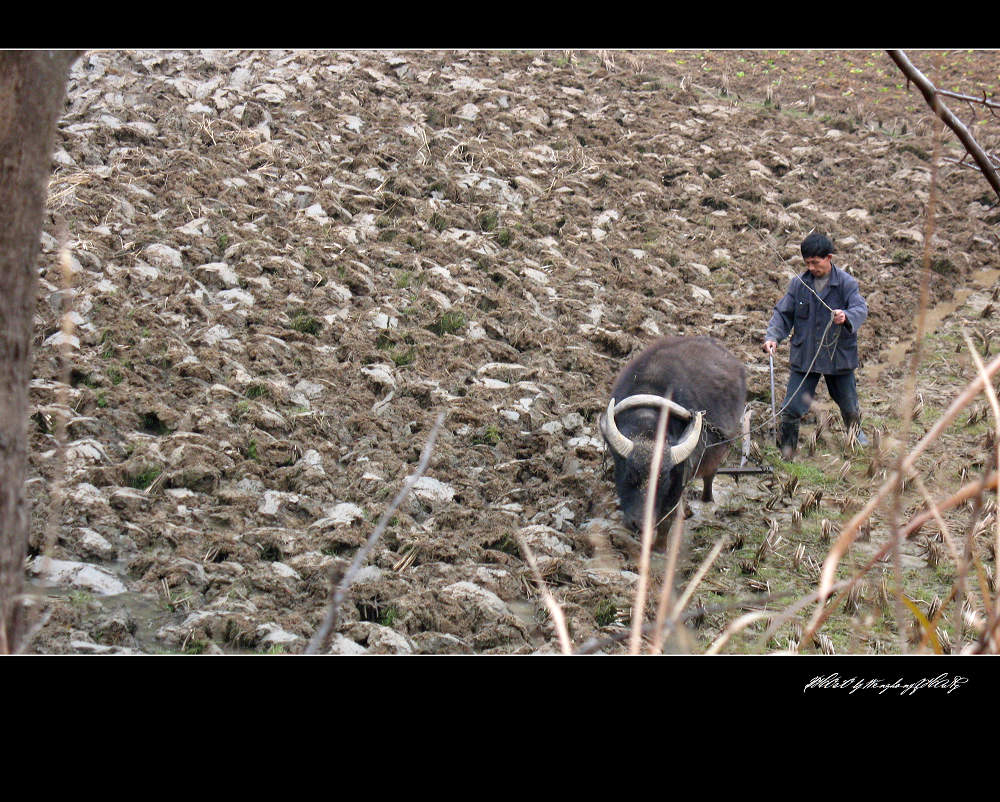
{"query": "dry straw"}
pixel 639 606
pixel 555 611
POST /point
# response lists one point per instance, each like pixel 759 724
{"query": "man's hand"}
pixel 770 346
pixel 839 317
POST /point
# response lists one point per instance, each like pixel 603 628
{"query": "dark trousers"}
pixel 800 393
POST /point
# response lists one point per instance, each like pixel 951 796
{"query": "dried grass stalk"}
pixel 665 608
pixel 553 606
pixel 850 530
pixel 648 528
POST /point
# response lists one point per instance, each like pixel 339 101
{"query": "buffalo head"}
pixel 633 455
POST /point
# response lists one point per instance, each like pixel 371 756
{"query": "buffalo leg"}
pixel 706 493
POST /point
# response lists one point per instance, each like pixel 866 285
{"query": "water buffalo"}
pixel 704 387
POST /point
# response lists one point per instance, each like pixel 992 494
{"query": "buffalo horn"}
pixel 683 449
pixel 618 442
pixel 633 401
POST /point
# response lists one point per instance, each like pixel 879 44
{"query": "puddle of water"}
pixel 147 611
pixel 149 614
pixel 987 277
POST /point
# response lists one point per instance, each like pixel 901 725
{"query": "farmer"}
pixel 823 310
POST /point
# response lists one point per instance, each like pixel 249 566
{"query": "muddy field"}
pixel 283 265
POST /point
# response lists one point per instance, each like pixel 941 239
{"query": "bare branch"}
pixel 962 163
pixel 983 101
pixel 931 95
pixel 319 640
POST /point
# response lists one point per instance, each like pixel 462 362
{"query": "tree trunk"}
pixel 32 90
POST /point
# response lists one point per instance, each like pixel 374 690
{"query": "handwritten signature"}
pixel 941 682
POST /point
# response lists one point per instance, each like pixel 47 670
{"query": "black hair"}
pixel 816 244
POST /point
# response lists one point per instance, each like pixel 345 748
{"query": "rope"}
pixel 755 429
pixel 789 269
pixel 831 348
pixel 708 424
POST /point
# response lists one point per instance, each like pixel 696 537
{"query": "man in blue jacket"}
pixel 823 311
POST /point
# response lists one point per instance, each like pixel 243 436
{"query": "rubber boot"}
pixel 788 439
pixel 853 424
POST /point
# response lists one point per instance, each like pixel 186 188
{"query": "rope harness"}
pixel 707 424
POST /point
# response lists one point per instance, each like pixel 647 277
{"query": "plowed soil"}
pixel 283 265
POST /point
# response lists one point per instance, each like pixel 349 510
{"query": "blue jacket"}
pixel 800 313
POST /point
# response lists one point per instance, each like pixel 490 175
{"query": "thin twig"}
pixel 695 580
pixel 319 640
pixel 994 619
pixel 973 489
pixel 553 606
pixel 664 610
pixel 936 514
pixel 739 624
pixel 910 387
pixel 983 101
pixel 639 606
pixel 35 628
pixel 595 645
pixel 960 496
pixel 57 490
pixel 792 609
pixel 850 532
pixel 995 407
